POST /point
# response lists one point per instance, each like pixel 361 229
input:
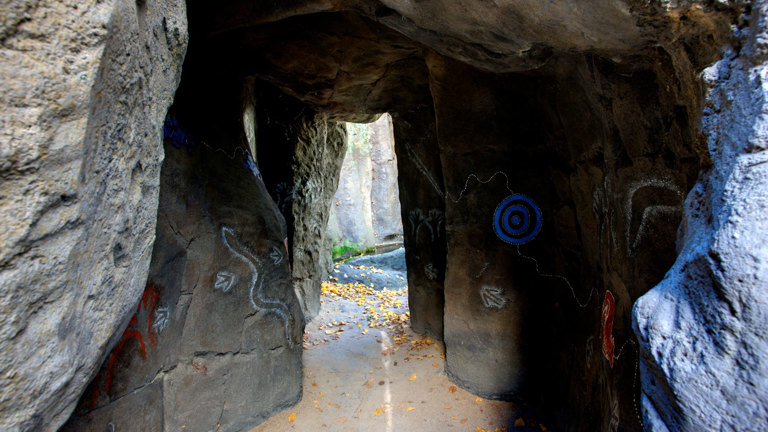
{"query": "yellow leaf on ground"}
pixel 519 422
pixel 435 365
pixel 413 377
pixel 377 412
pixel 464 420
pixel 409 409
pixel 479 429
pixel 478 399
pixel 341 420
pixel 292 417
pixel 448 407
pixel 452 389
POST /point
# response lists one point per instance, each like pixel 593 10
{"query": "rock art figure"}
pixel 276 256
pixel 224 281
pixel 432 221
pixel 613 425
pixel 492 297
pixel 161 319
pixel 666 190
pixel 609 307
pixel 256 288
pixel 430 272
pixel 517 219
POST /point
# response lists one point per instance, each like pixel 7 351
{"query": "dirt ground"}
pixel 364 370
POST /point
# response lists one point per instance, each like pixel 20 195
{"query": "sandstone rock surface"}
pixel 317 162
pixel 704 348
pixel 587 109
pixel 366 206
pixel 215 341
pixel 85 88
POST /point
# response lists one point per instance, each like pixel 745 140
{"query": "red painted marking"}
pixel 149 301
pixel 609 307
pixel 95 391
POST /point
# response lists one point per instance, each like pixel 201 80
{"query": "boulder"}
pixel 215 340
pixel 85 89
pixel 701 330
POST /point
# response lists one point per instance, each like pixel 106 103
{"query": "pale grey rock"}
pixel 366 205
pixel 385 197
pixel 320 146
pixel 351 209
pixel 84 92
pixel 702 330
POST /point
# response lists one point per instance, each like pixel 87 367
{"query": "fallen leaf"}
pixel 314 384
pixel 452 389
pixel 413 377
pixel 519 422
pixel 464 420
pixel 377 412
pixel 435 365
pixel 292 417
pixel 341 420
pixel 409 409
pixel 448 407
pixel 478 399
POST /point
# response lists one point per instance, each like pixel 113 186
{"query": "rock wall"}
pixel 704 349
pixel 563 193
pixel 351 217
pixel 215 340
pixel 85 88
pixel 366 210
pixel 579 116
pixel 385 198
pixel 319 153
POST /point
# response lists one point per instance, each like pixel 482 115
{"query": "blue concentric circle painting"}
pixel 517 219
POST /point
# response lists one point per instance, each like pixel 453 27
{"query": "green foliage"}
pixel 358 137
pixel 347 250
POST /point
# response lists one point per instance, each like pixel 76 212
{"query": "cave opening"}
pixel 537 202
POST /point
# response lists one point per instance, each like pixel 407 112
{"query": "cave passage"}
pixel 535 202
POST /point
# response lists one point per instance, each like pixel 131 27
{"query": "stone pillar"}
pixel 422 193
pixel 320 146
pixel 84 90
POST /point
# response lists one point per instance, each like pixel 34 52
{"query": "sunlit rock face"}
pixel 366 207
pixel 548 152
pixel 704 349
pixel 84 91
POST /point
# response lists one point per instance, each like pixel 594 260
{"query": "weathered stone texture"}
pixel 215 342
pixel 351 216
pixel 385 199
pixel 85 87
pixel 366 210
pixel 422 197
pixel 702 330
pixel 606 161
pixel 319 154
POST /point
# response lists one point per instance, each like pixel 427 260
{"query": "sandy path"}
pixel 381 378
